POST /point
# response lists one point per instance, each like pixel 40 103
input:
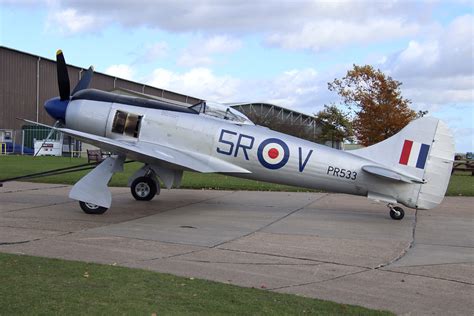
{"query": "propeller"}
pixel 85 81
pixel 56 107
pixel 63 78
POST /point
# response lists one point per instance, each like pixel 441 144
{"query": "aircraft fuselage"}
pixel 270 156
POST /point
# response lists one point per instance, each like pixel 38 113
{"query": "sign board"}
pixel 48 148
pixel 6 135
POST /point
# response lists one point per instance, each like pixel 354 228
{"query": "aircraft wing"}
pixel 145 151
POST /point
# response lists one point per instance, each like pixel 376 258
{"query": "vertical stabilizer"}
pixel 424 149
pixel 438 169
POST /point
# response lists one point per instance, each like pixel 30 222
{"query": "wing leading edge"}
pixel 149 152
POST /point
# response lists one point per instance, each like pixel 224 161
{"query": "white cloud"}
pixel 333 33
pixel 299 89
pixel 315 25
pixel 198 82
pixel 151 52
pixel 438 70
pixel 155 51
pixel 121 71
pixel 69 21
pixel 220 44
pixel 201 52
pixel 188 59
pixel 295 88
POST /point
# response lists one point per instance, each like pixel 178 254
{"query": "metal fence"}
pixel 22 142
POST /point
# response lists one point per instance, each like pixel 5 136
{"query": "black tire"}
pixel 90 208
pixel 397 213
pixel 144 188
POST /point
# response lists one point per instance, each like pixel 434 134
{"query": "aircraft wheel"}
pixel 397 213
pixel 144 188
pixel 90 208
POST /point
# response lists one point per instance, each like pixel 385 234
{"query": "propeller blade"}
pixel 85 81
pixel 63 77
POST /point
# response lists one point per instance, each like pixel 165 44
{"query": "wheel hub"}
pixel 142 189
pixel 92 206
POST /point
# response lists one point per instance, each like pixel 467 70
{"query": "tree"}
pixel 379 108
pixel 335 125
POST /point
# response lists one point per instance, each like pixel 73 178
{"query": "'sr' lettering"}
pixel 229 150
pixel 241 144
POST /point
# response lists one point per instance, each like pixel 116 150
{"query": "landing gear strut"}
pixel 144 188
pixel 396 212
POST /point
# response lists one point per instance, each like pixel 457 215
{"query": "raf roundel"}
pixel 273 153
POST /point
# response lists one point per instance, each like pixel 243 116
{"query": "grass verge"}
pixel 461 183
pixel 41 286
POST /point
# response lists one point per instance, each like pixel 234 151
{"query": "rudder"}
pixel 424 149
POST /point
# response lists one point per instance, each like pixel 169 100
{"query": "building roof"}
pixel 265 109
pixel 278 107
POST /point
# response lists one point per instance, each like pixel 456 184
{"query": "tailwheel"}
pixel 144 188
pixel 396 212
pixel 90 208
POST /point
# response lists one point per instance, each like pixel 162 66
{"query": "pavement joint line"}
pixel 256 263
pixel 435 264
pixel 406 249
pixel 18 242
pixel 70 220
pixel 34 189
pixel 165 257
pixel 30 228
pixel 427 276
pixel 176 255
pixel 443 245
pixel 299 258
pixel 37 206
pixel 240 204
pixel 319 281
pixel 33 240
pixel 331 237
pixel 273 222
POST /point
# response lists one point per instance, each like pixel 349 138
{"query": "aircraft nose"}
pixel 56 108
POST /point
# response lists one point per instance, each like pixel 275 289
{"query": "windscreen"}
pixel 221 111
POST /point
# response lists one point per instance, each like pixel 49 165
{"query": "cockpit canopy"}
pixel 222 112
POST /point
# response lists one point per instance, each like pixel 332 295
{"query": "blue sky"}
pixel 283 52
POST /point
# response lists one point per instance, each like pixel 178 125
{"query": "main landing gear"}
pixel 144 188
pixel 396 212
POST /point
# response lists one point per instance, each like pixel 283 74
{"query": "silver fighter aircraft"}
pixel 412 167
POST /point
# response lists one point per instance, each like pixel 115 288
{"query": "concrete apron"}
pixel 330 246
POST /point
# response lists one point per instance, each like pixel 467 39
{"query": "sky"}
pixel 279 51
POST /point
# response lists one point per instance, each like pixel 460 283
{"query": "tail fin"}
pixel 424 149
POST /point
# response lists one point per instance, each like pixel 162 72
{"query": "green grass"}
pixel 40 286
pixel 461 184
pixel 11 166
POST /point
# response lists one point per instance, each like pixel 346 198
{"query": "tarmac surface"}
pixel 329 246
